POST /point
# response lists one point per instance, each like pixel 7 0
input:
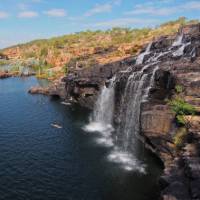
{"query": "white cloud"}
pixel 157 9
pixel 56 13
pixel 192 5
pixel 3 15
pixel 151 11
pixel 103 8
pixel 99 8
pixel 124 22
pixel 28 14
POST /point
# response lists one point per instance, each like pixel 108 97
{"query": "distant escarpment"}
pixel 167 76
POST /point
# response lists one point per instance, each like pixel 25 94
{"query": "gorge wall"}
pixel 143 86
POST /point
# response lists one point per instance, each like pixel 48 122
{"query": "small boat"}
pixel 66 103
pixel 55 125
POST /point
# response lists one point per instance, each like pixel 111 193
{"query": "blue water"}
pixel 40 162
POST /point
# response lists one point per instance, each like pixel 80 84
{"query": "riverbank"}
pixel 4 75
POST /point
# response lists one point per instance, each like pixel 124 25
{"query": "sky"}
pixel 25 20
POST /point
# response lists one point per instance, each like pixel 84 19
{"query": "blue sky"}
pixel 25 20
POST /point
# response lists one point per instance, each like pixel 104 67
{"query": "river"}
pixel 41 162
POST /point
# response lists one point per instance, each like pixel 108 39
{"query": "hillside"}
pixel 88 48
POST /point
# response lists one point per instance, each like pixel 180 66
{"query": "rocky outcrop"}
pixel 177 59
pixel 5 75
pixel 58 88
pixel 83 85
pixel 39 90
pixel 3 56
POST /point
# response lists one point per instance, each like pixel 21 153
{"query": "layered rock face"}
pixel 83 86
pixel 165 63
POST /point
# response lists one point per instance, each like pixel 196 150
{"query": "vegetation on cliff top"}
pixel 87 48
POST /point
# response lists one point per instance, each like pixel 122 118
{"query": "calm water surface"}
pixel 39 162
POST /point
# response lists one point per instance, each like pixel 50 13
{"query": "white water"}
pixel 126 160
pixel 180 51
pixel 101 122
pixel 140 58
pixel 178 41
pixel 102 117
pixel 147 91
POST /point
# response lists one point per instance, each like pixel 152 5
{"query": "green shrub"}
pixel 181 120
pixel 180 107
pixel 179 89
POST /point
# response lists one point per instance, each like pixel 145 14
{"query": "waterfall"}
pixel 140 58
pixel 103 112
pixel 180 50
pixel 136 91
pixel 123 139
pixel 178 41
pixel 101 119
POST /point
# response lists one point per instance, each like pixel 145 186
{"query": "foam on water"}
pixel 126 160
pixel 105 133
pixel 104 137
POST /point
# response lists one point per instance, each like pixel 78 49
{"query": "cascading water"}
pixel 126 144
pixel 140 58
pixel 178 41
pixel 137 89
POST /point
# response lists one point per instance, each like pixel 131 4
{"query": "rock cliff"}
pixel 177 62
pixel 167 62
